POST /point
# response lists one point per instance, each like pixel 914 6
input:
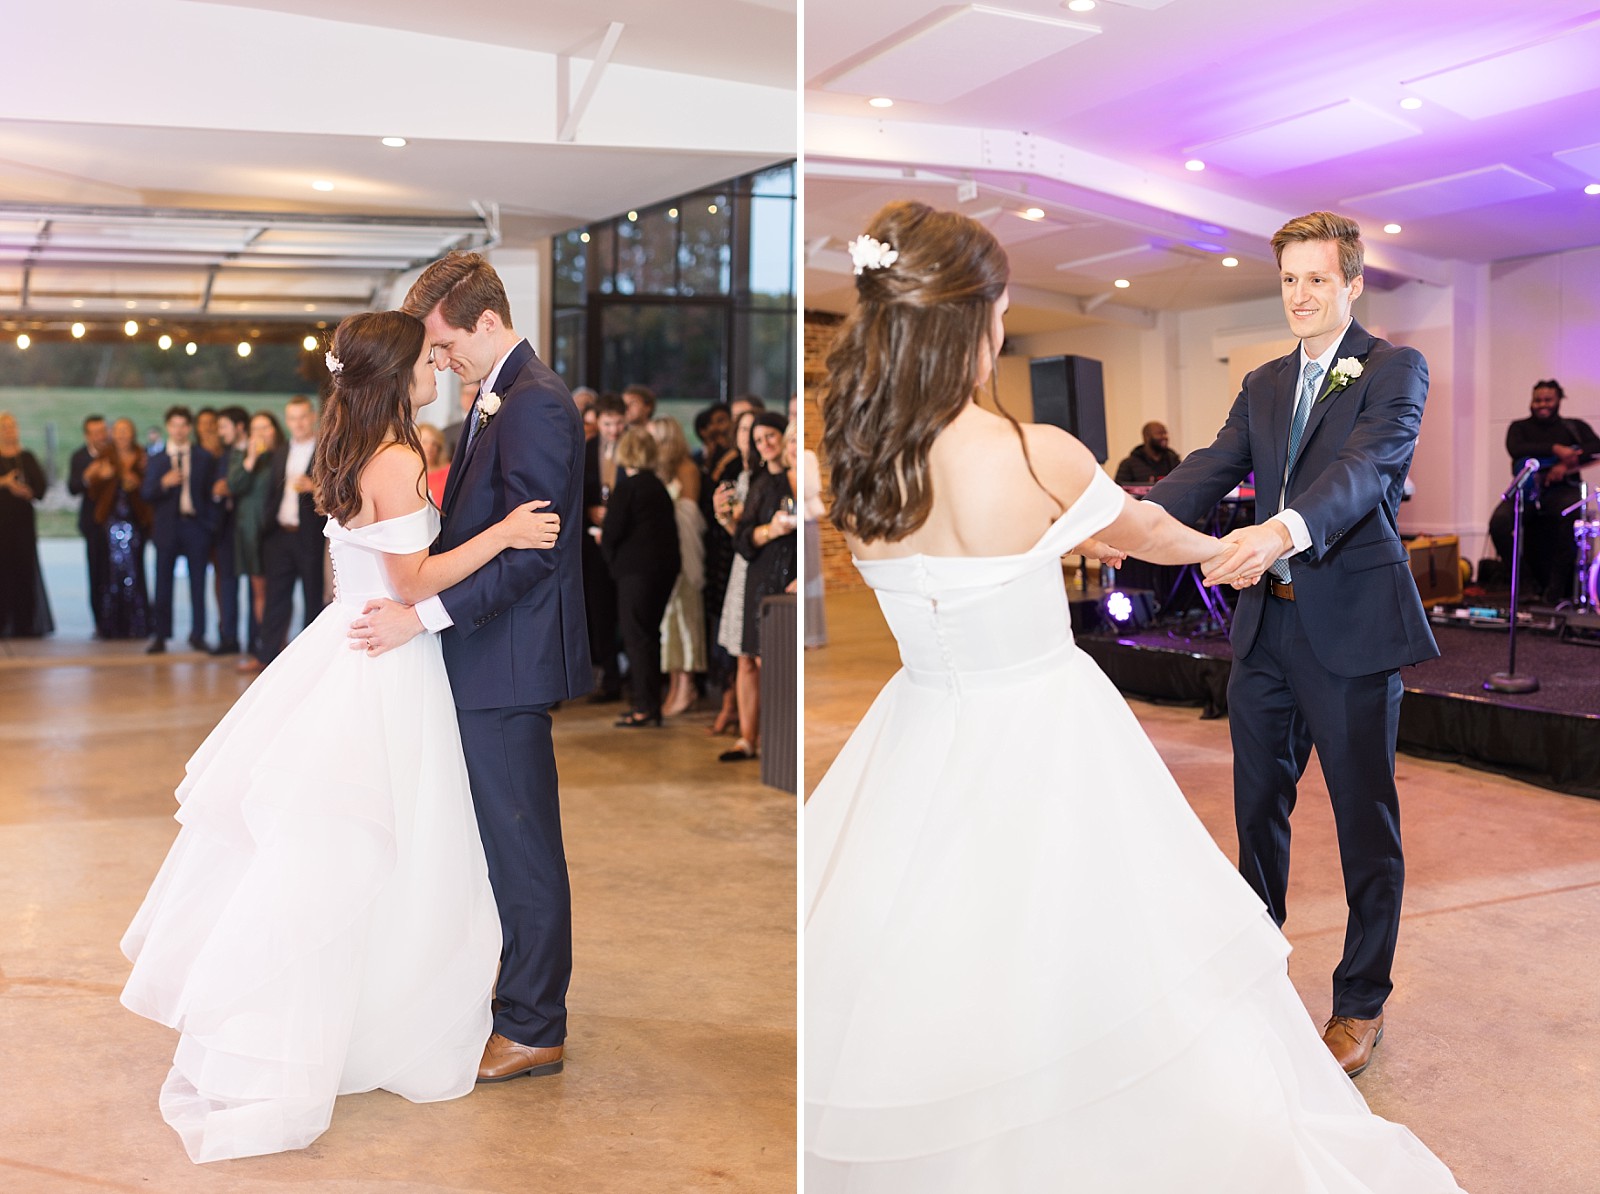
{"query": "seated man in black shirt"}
pixel 1149 461
pixel 1561 446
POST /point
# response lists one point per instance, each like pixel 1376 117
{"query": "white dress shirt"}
pixel 1289 517
pixel 297 466
pixel 430 610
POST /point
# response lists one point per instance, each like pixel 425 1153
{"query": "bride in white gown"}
pixel 1028 967
pixel 323 923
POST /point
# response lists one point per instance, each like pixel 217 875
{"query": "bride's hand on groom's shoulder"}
pixel 528 527
pixel 383 626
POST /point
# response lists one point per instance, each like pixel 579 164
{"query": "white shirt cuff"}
pixel 433 615
pixel 1297 530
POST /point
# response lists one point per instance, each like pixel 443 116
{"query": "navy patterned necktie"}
pixel 1302 414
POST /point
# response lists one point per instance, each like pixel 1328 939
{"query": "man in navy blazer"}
pixel 514 642
pixel 178 484
pixel 1329 431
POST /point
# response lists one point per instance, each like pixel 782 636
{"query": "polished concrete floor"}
pixel 681 1061
pixel 1490 1053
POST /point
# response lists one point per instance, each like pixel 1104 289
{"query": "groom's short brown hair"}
pixel 1325 225
pixel 463 286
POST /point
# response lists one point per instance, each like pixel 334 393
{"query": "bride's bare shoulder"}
pixel 392 483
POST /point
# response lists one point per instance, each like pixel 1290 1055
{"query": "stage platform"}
pixel 1550 737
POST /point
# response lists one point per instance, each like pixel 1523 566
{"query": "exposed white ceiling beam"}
pixel 572 114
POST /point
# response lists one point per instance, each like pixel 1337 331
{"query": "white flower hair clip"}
pixel 868 253
pixel 334 364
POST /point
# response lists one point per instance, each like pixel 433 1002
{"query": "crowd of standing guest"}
pixel 673 538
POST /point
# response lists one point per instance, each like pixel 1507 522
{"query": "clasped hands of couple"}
pixel 1243 555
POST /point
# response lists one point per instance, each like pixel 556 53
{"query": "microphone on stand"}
pixel 1509 680
pixel 1529 467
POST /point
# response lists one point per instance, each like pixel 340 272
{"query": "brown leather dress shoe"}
pixel 503 1058
pixel 1352 1041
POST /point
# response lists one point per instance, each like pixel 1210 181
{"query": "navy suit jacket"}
pixel 1353 585
pixel 519 635
pixel 202 474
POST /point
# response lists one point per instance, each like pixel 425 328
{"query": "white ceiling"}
pixel 1293 108
pixel 211 107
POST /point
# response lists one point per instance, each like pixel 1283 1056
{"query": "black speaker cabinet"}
pixel 1069 393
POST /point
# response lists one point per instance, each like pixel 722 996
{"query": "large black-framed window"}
pixel 693 297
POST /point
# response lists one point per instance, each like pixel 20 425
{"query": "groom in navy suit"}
pixel 514 642
pixel 1329 431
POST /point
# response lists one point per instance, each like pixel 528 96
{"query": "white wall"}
pixel 1487 336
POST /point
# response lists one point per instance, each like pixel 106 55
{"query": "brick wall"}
pixel 820 327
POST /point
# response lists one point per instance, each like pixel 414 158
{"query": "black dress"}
pixel 773 565
pixel 640 544
pixel 24 608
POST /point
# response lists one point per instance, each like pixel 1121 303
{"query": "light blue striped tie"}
pixel 1302 414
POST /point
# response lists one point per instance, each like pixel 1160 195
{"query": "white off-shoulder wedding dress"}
pixel 1027 966
pixel 323 923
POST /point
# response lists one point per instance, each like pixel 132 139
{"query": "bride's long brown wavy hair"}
pixel 370 404
pixel 904 364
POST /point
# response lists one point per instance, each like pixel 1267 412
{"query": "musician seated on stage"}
pixel 1561 446
pixel 1149 461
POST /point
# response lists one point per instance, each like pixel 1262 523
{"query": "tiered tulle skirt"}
pixel 1029 968
pixel 323 924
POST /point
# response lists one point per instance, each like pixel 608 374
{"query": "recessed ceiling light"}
pixel 711 209
pixel 1230 262
pixel 166 306
pixel 77 302
pixel 1033 213
pixel 633 217
pixel 1592 189
pixel 24 340
pixel 1411 103
pixel 191 348
pixel 881 101
pixel 1194 164
pixel 584 237
pixel 311 306
pixel 1391 229
pixel 395 142
pixel 309 343
pixel 131 328
pixel 244 348
pixel 672 214
pixel 164 343
pixel 1122 283
pixel 77 331
pixel 1080 5
pixel 322 184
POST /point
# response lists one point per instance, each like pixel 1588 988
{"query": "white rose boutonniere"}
pixel 488 407
pixel 1345 371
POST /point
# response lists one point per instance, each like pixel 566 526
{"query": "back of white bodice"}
pixel 977 617
pixel 358 571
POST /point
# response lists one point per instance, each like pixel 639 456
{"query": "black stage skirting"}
pixel 1550 737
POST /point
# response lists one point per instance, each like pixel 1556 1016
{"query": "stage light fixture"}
pixel 1033 213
